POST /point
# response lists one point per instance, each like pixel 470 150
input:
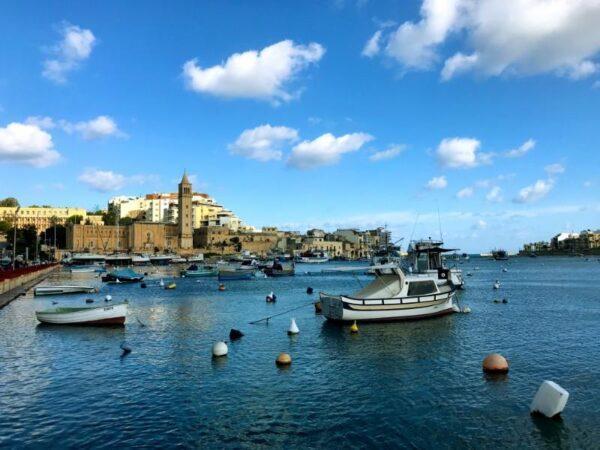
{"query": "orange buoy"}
pixel 495 363
pixel 283 359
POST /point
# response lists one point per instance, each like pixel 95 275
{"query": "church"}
pixel 142 237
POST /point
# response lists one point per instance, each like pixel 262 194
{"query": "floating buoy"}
pixel 171 286
pixel 504 269
pixel 161 283
pixel 271 297
pixel 496 300
pixel 55 303
pixel 108 298
pixel 354 328
pixel 504 300
pixel 126 349
pixel 143 285
pixel 550 400
pixel 495 363
pixel 318 307
pixel 117 281
pixel 309 290
pixel 293 328
pixel 89 300
pixel 182 275
pixel 466 310
pixel 145 274
pixel 235 334
pixel 219 349
pixel 469 274
pixel 497 285
pixel 283 359
pixel 221 287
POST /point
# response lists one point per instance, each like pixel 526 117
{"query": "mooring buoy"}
pixel 550 400
pixel 235 334
pixel 354 328
pixel 283 359
pixel 293 328
pixel 219 349
pixel 495 363
pixel 309 290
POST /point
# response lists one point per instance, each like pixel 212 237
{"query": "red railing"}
pixel 9 273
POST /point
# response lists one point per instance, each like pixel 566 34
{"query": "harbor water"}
pixel 412 384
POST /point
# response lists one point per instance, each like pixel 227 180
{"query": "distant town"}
pixel 192 223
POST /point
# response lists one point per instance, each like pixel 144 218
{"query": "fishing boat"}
pixel 98 315
pixel 119 259
pixel 233 274
pixel 161 260
pixel 312 257
pixel 123 276
pixel 87 268
pixel 393 295
pixel 178 260
pixel 425 257
pixel 499 255
pixel 63 289
pixel 280 269
pixel 199 271
pixel 140 260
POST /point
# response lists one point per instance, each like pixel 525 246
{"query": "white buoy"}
pixel 161 283
pixel 271 297
pixel 504 269
pixel 108 298
pixel 293 328
pixel 219 349
pixel 497 285
pixel 550 399
pixel 466 310
pixel 117 281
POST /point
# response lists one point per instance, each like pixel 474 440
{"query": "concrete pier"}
pixel 13 284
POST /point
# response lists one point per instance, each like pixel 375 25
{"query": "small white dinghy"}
pixel 61 290
pixel 97 315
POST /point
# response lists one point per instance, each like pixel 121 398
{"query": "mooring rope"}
pixel 280 314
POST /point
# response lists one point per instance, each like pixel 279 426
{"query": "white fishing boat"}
pixel 63 289
pixel 392 296
pixel 99 315
pixel 140 260
pixel 311 257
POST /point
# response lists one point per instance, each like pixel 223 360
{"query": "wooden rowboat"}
pixel 98 315
pixel 61 290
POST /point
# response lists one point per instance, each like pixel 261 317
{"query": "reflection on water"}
pixel 411 384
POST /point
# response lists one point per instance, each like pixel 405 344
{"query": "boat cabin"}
pixel 426 255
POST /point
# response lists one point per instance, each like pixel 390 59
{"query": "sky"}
pixel 478 120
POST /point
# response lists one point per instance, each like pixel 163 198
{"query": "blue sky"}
pixel 96 100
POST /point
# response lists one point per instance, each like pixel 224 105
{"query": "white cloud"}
pixel 498 37
pixel 45 122
pixel 554 169
pixel 98 128
pixel 535 192
pixel 461 153
pixel 263 74
pixel 391 152
pixel 326 149
pixel 263 143
pixel 525 148
pixel 437 183
pixel 480 225
pixel 371 48
pixel 75 47
pixel 102 180
pixel 465 193
pixel 494 195
pixel 27 144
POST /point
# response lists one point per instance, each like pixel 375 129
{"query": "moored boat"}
pixel 87 268
pixel 63 289
pixel 199 271
pixel 280 269
pixel 235 274
pixel 312 257
pixel 392 296
pixel 425 257
pixel 500 255
pixel 99 315
pixel 122 276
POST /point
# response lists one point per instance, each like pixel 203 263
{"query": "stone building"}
pixel 42 217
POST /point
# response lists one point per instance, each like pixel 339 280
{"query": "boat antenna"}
pixel 439 221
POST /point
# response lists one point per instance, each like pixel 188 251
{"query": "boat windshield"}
pixel 422 287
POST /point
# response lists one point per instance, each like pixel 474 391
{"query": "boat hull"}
pixel 199 274
pixel 241 275
pixel 105 315
pixel 345 309
pixel 63 290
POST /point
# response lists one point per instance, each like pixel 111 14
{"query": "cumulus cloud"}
pixel 27 144
pixel 264 74
pixel 43 122
pixel 461 153
pixel 74 48
pixel 494 195
pixel 437 183
pixel 102 180
pixel 525 148
pixel 371 48
pixel 498 37
pixel 554 169
pixel 98 128
pixel 465 192
pixel 263 143
pixel 534 192
pixel 391 152
pixel 326 149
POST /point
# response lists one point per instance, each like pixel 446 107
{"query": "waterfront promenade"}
pixel 15 282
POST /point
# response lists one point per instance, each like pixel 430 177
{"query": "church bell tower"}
pixel 185 214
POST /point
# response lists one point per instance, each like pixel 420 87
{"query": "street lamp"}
pixel 14 253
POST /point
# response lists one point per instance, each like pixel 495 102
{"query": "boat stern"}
pixel 332 306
